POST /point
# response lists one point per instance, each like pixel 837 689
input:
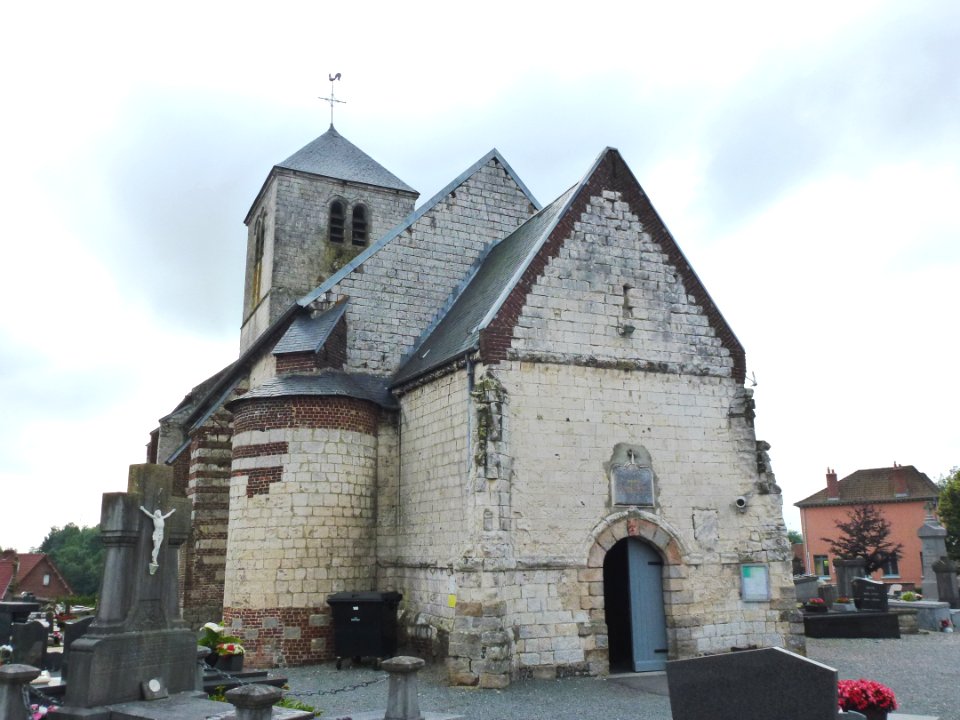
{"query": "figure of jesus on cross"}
pixel 158 519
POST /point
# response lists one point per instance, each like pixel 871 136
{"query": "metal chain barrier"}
pixel 25 693
pixel 347 688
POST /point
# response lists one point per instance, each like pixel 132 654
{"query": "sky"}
pixel 805 158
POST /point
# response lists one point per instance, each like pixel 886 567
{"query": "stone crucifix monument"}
pixel 137 639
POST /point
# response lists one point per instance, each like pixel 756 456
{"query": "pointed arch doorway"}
pixel 633 602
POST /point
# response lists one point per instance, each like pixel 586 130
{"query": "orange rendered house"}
pixel 903 495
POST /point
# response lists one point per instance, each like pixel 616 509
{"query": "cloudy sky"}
pixel 805 159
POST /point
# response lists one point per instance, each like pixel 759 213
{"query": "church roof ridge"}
pixel 418 213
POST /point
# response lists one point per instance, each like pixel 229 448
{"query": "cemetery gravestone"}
pixel 848 571
pixel 72 631
pixel 29 643
pixel 765 683
pixel 933 546
pixel 870 595
pixel 14 612
pixel 137 634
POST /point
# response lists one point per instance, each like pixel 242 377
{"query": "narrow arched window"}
pixel 259 231
pixel 359 227
pixel 336 221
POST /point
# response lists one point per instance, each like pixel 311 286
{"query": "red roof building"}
pixel 35 573
pixel 903 495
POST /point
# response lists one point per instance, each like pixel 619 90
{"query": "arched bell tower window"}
pixel 259 231
pixel 336 221
pixel 359 228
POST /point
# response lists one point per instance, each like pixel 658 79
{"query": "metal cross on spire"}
pixel 333 98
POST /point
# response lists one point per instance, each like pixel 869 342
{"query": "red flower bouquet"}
pixel 867 695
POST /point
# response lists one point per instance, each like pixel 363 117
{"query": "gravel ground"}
pixel 921 669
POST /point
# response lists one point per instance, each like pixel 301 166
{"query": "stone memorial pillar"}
pixel 847 572
pixel 402 700
pixel 254 702
pixel 946 573
pixel 933 546
pixel 137 634
pixel 13 679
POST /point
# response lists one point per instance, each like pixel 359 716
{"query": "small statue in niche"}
pixel 158 519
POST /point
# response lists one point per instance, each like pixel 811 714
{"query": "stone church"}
pixel 529 420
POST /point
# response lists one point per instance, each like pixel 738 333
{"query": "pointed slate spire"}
pixel 332 155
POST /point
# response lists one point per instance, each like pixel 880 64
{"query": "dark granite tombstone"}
pixel 851 625
pixel 137 634
pixel 29 642
pixel 870 595
pixel 765 683
pixel 11 612
pixel 73 630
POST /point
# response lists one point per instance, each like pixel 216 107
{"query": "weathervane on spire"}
pixel 333 98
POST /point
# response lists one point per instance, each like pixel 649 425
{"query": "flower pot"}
pixel 230 663
pixel 874 714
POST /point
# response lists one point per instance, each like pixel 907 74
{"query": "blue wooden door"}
pixel 648 626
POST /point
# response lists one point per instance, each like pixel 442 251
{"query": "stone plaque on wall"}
pixel 632 485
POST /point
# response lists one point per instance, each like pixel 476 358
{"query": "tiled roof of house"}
pixel 877 485
pixel 28 561
pixel 6 576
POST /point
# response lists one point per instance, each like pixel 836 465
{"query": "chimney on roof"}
pixel 833 489
pixel 899 482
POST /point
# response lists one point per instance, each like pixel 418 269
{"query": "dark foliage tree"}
pixel 948 509
pixel 78 553
pixel 865 535
pixel 794 537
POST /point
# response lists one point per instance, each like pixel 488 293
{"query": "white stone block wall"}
pixel 311 534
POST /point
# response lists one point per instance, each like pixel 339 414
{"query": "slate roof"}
pixel 308 333
pixel 332 155
pixel 458 330
pixel 327 382
pixel 876 485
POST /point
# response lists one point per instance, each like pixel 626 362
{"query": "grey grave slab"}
pixel 764 683
pixel 29 643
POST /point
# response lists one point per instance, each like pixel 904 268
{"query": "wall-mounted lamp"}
pixel 625 330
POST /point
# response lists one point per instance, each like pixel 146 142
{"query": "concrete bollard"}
pixel 254 702
pixel 402 700
pixel 13 678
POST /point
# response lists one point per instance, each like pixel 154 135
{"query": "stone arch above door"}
pixel 639 524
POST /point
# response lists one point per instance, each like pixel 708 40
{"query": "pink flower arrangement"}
pixel 815 601
pixel 863 694
pixel 40 711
